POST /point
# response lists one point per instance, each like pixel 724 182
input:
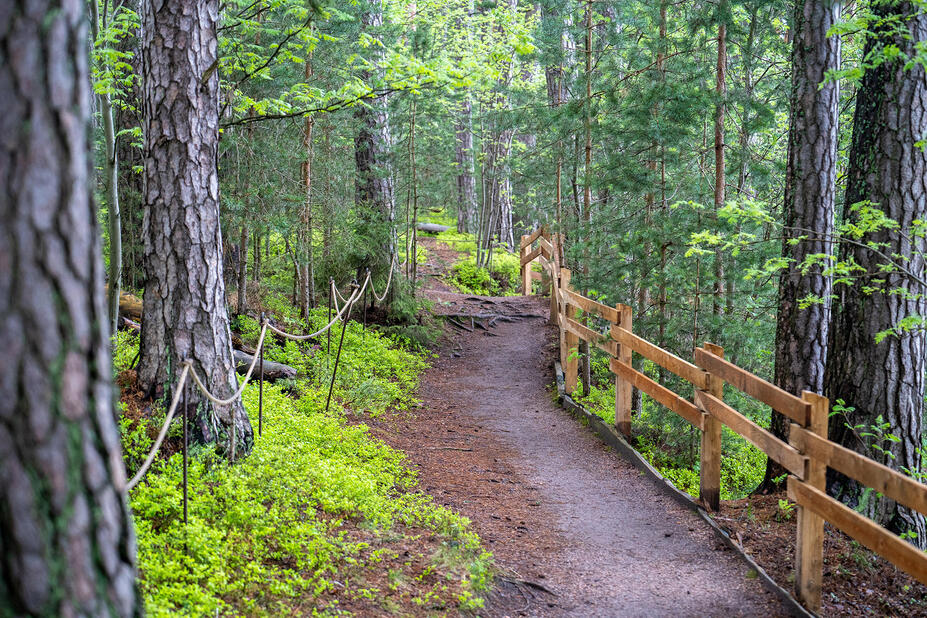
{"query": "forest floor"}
pixel 575 530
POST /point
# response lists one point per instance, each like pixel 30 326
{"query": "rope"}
pixel 188 369
pixel 241 389
pixel 167 421
pixel 353 298
pixel 338 294
pixel 389 281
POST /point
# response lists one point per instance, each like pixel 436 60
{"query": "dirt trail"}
pixel 558 509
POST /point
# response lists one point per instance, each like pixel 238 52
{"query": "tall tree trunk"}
pixel 811 174
pixel 374 184
pixel 720 110
pixel 184 312
pixel 466 177
pixel 888 170
pixel 306 266
pixel 586 374
pixel 66 535
pixel 242 305
pixel 466 170
pixel 111 179
pixel 557 95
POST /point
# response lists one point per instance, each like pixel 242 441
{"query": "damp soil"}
pixel 856 581
pixel 574 529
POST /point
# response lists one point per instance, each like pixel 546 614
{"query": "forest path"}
pixel 556 506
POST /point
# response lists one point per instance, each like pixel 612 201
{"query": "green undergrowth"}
pixel 671 445
pixel 376 370
pixel 501 278
pixel 321 518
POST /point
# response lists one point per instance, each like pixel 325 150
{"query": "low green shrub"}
pixel 278 530
pixel 501 279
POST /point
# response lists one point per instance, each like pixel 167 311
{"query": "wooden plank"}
pixel 756 387
pixel 776 449
pixel 590 306
pixel 536 275
pixel 684 369
pixel 870 473
pixel 660 393
pixel 809 526
pixel 597 339
pixel 900 553
pixel 530 238
pixel 530 257
pixel 545 245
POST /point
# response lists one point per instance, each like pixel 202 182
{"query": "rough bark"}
pixel 887 169
pixel 720 184
pixel 466 176
pixel 811 174
pixel 66 539
pixel 242 304
pixel 111 181
pixel 185 316
pixel 374 196
pixel 306 265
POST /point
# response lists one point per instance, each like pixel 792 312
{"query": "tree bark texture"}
pixel 67 544
pixel 811 176
pixel 111 180
pixel 305 268
pixel 888 170
pixel 374 195
pixel 242 304
pixel 466 176
pixel 185 316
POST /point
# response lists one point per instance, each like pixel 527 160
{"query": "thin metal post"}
pixel 261 384
pixel 369 282
pixel 185 440
pixel 344 327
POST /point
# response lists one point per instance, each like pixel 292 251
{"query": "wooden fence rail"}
pixel 806 455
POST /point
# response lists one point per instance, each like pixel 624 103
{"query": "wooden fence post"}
pixel 710 452
pixel 525 268
pixel 622 386
pixel 570 341
pixel 809 541
pixel 555 280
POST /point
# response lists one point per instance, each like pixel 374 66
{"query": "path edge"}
pixel 612 438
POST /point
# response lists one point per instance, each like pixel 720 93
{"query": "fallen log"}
pixel 272 371
pixel 130 306
pixel 238 344
pixel 431 228
pixel 127 324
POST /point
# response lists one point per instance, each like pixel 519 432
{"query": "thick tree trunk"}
pixel 887 169
pixel 374 197
pixel 67 545
pixel 466 177
pixel 811 174
pixel 185 316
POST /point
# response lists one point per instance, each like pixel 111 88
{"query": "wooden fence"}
pixel 806 455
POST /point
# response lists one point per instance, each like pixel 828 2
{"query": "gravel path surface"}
pixel 576 529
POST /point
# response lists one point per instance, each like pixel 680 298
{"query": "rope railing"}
pixel 167 421
pixel 343 314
